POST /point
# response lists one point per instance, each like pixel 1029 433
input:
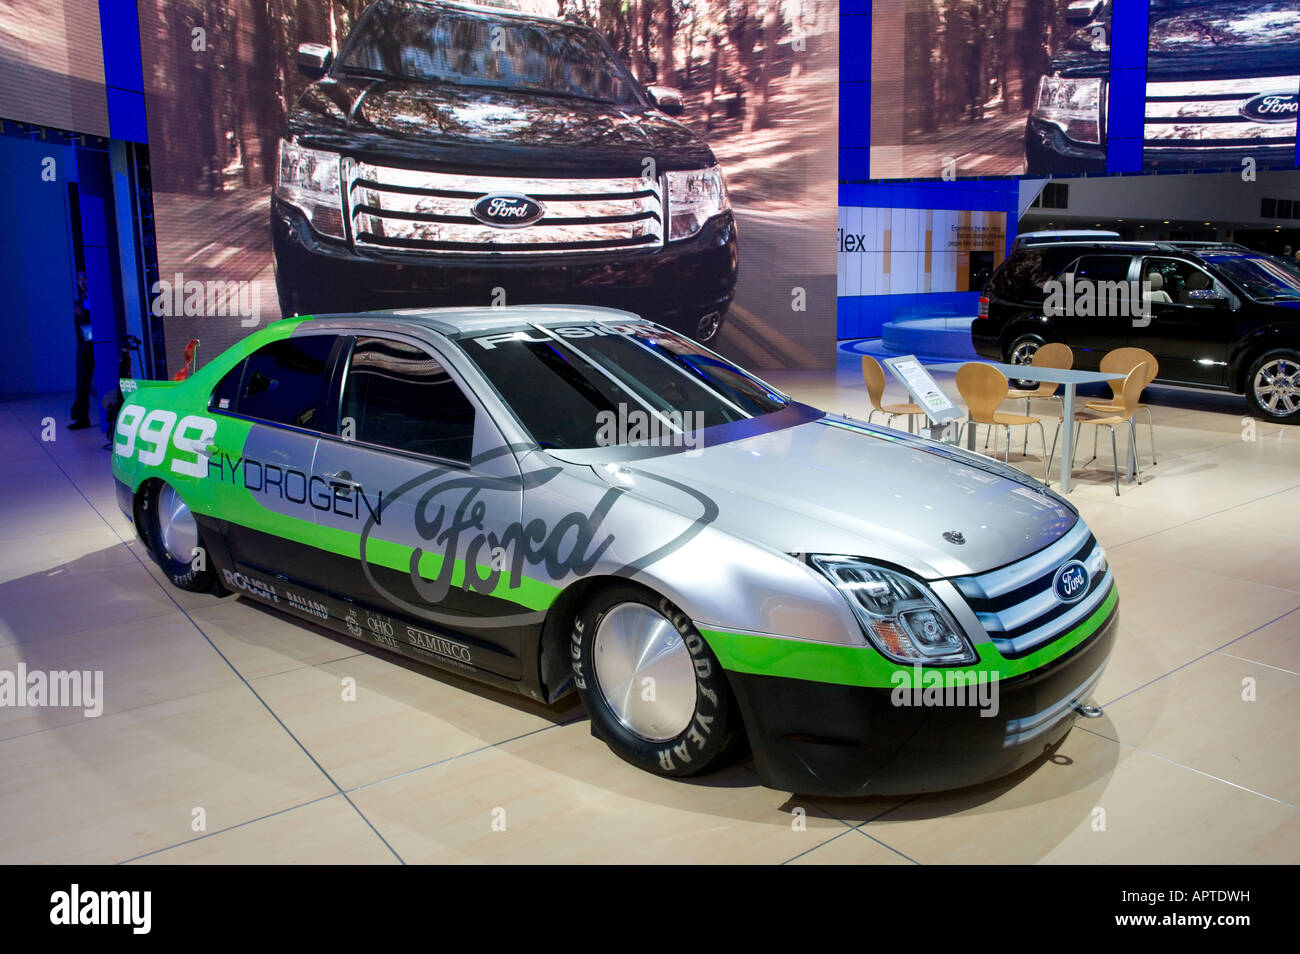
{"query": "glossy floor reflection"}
pixel 225 738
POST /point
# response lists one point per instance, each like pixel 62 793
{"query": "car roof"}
pixel 456 321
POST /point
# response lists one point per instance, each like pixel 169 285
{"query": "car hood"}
pixel 1225 38
pixel 481 129
pixel 837 486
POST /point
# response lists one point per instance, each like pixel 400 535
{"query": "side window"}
pixel 284 381
pixel 398 396
pixel 226 394
pixel 1174 281
pixel 1101 268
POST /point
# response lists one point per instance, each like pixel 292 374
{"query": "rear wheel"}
pixel 1022 351
pixel 172 535
pixel 652 687
pixel 1273 386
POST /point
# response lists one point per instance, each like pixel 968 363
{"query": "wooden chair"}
pixel 1122 361
pixel 1129 392
pixel 874 375
pixel 1056 355
pixel 983 388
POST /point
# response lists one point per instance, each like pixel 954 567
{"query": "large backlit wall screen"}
pixel 52 65
pixel 760 83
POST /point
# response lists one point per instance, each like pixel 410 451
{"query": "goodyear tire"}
pixel 652 687
pixel 172 536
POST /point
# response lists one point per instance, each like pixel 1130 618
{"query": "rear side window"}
pixel 284 381
pixel 1023 275
pixel 399 396
pixel 1102 268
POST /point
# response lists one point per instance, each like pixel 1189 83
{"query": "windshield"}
pixel 604 385
pixel 1263 278
pixel 423 44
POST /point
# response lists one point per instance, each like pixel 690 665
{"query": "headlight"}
pixel 309 179
pixel 694 197
pixel 1072 105
pixel 901 617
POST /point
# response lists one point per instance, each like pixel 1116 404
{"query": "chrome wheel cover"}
pixel 634 643
pixel 176 526
pixel 1024 352
pixel 1277 386
pixel 708 326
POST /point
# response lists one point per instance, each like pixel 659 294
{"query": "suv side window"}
pixel 283 382
pixel 1183 282
pixel 1101 268
pixel 1023 275
pixel 398 396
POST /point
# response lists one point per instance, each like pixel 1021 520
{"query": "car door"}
pixel 1096 317
pixel 269 411
pixel 1190 321
pixel 423 494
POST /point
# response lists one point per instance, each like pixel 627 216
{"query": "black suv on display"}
pixel 1222 81
pixel 1214 316
pixel 457 155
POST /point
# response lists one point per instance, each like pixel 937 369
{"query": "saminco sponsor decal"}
pixel 439 645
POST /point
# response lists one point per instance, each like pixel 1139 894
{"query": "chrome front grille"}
pixel 1206 115
pixel 1018 605
pixel 395 208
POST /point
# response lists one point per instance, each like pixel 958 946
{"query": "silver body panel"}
pixel 720 531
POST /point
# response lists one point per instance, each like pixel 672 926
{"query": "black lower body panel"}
pixel 824 739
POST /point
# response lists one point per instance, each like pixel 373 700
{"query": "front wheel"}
pixel 652 687
pixel 708 327
pixel 1273 386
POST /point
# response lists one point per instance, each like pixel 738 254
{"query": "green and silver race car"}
pixel 558 498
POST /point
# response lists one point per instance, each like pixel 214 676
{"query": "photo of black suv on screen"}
pixel 1222 78
pixel 1216 316
pixel 456 155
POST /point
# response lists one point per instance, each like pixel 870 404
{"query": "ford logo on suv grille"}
pixel 1271 107
pixel 507 211
pixel 1070 582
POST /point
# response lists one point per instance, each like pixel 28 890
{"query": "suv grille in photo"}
pixel 1226 115
pixel 394 208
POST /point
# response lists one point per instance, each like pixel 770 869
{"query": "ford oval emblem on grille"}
pixel 1070 582
pixel 506 211
pixel 1271 107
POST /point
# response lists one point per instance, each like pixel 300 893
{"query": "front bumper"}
pixel 1048 150
pixel 675 285
pixel 817 738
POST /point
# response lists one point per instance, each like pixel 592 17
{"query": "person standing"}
pixel 85 357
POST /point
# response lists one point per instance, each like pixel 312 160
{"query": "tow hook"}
pixel 1088 712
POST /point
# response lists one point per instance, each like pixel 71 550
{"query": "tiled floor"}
pixel 225 737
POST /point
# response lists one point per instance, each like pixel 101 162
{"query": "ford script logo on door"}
pixel 1271 107
pixel 507 211
pixel 1071 582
